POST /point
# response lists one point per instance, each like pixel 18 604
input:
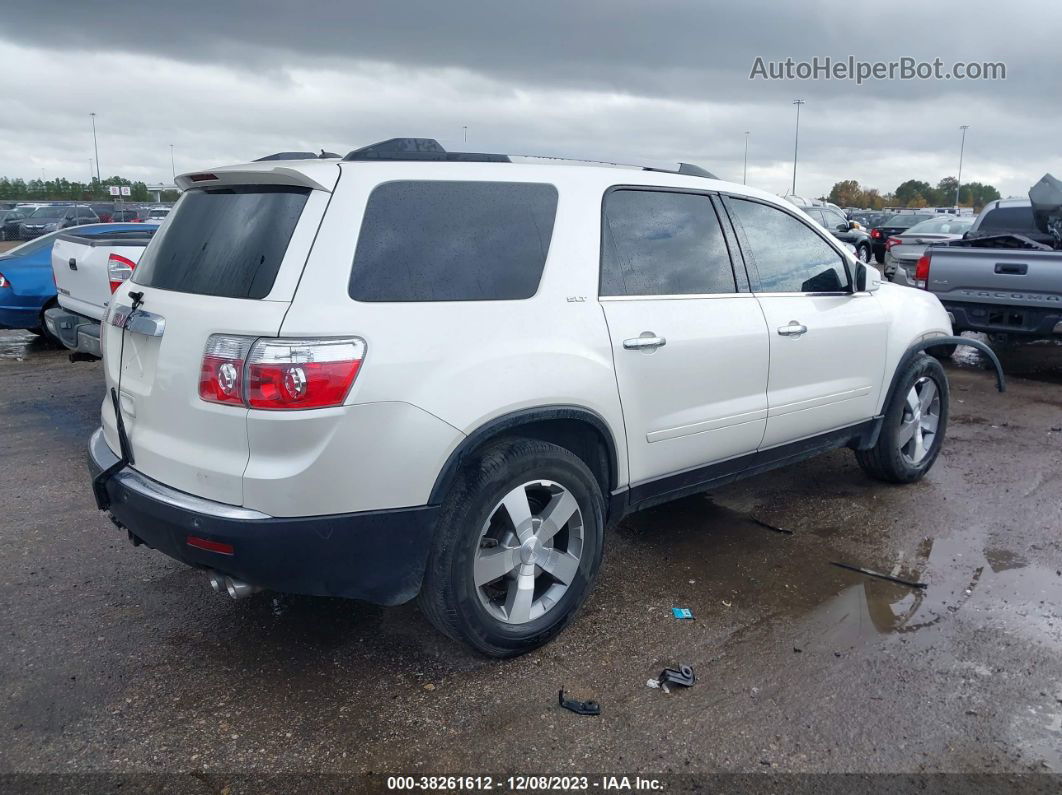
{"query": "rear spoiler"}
pixel 132 238
pixel 275 175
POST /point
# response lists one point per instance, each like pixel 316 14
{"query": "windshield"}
pixel 948 225
pixel 224 241
pixel 905 221
pixel 48 212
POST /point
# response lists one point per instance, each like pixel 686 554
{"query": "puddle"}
pixel 717 555
pixel 19 345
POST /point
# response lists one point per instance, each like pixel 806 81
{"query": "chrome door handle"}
pixel 648 341
pixel 794 329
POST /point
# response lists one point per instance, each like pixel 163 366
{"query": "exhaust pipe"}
pixel 217 581
pixel 238 589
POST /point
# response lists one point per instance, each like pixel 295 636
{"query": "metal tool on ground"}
pixel 879 575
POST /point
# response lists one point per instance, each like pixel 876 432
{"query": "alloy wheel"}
pixel 919 421
pixel 529 552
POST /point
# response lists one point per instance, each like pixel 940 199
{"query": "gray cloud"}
pixel 669 80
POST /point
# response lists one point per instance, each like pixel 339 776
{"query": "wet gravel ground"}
pixel 115 659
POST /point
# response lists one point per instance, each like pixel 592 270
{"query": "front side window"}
pixel 663 243
pixel 788 255
pixel 426 240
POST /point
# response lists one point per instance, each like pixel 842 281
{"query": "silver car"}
pixel 903 251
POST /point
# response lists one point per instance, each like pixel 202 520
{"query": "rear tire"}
pixel 879 258
pixel 478 535
pixel 913 426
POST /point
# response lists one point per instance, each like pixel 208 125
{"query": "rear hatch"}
pixel 226 261
pixel 80 266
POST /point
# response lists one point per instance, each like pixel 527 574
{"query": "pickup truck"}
pixel 87 271
pixel 1004 278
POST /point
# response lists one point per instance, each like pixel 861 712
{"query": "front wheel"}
pixel 517 548
pixel 913 426
pixel 865 254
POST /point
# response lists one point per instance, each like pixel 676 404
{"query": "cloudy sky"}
pixel 610 79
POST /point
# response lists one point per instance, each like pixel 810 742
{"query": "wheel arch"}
pixel 582 431
pixel 919 346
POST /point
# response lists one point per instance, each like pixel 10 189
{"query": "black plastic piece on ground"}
pixel 578 707
pixel 879 575
pixel 683 675
pixel 775 528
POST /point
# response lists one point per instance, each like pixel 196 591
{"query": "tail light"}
pixel 922 271
pixel 892 241
pixel 221 372
pixel 279 374
pixel 4 282
pixel 119 269
pixel 876 234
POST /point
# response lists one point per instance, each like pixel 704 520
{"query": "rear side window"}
pixel 453 241
pixel 227 242
pixel 1010 218
pixel 663 243
pixel 788 256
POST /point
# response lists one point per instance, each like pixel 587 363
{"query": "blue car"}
pixel 27 287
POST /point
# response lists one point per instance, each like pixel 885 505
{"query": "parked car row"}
pixel 27 221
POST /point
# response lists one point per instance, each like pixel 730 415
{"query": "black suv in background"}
pixel 837 225
pixel 893 225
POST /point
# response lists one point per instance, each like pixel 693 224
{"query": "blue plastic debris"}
pixel 681 612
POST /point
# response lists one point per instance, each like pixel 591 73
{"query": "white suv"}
pixel 410 371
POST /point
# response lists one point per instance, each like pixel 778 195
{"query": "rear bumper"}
pixel 76 332
pixel 17 317
pixel 1001 319
pixel 378 556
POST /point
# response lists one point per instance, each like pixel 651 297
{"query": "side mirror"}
pixel 843 227
pixel 854 225
pixel 867 278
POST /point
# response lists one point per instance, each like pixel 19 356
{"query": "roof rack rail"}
pixel 419 149
pixel 428 149
pixel 298 156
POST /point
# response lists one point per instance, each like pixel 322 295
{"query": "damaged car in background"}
pixel 1005 277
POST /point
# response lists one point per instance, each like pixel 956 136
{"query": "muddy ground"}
pixel 117 659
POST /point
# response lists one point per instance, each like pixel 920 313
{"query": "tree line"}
pixel 913 193
pixel 64 190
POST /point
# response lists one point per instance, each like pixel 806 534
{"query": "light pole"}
pixel 95 147
pixel 465 133
pixel 962 147
pixel 796 141
pixel 173 171
pixel 745 171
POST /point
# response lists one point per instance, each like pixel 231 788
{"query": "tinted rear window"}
pixel 453 241
pixel 1011 218
pixel 227 242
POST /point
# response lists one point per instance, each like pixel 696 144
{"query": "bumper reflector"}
pixel 211 546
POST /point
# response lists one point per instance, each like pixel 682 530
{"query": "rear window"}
pixel 453 241
pixel 1010 218
pixel 227 242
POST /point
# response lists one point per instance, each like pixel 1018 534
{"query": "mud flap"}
pixel 99 483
